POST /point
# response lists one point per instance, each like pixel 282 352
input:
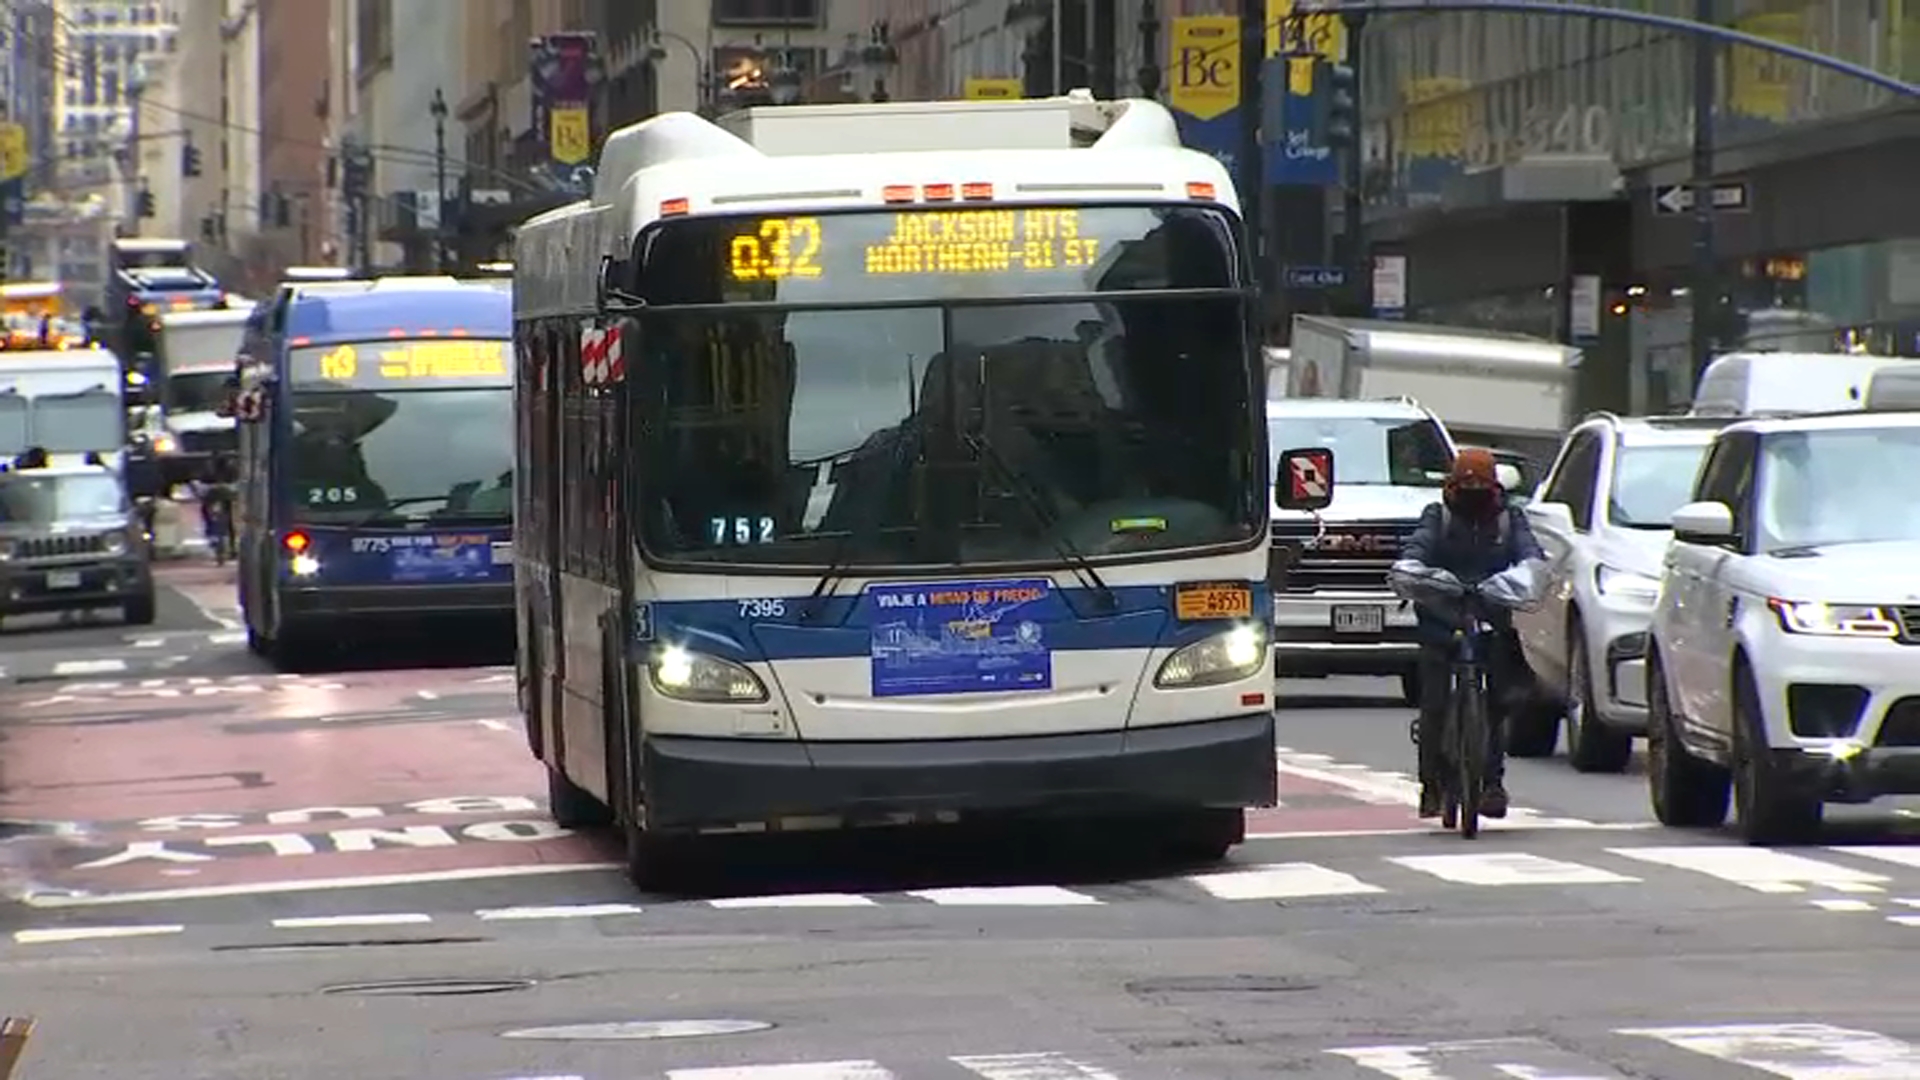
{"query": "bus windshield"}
pixel 1054 410
pixel 396 431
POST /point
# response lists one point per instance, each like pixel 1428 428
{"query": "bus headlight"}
pixel 690 676
pixel 303 565
pixel 1223 658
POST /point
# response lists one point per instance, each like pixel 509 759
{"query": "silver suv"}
pixel 71 541
pixel 1602 517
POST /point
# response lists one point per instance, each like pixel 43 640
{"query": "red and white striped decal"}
pixel 602 360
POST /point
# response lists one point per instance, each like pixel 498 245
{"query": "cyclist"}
pixel 214 492
pixel 1472 534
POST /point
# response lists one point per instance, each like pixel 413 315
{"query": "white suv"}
pixel 1785 652
pixel 1602 518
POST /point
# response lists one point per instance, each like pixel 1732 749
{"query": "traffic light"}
pixel 190 160
pixel 144 204
pixel 1336 100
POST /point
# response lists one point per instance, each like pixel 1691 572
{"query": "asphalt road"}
pixel 223 865
pixel 34 646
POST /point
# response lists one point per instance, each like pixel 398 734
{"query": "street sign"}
pixel 13 152
pixel 1729 196
pixel 1316 277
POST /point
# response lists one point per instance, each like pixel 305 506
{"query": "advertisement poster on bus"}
pixel 960 637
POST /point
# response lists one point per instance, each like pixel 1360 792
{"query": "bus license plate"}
pixel 1359 619
pixel 502 553
pixel 1221 601
pixel 63 579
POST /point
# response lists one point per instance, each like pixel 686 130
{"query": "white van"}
pixel 1781 383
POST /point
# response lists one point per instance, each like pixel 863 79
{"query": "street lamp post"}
pixel 136 90
pixel 657 52
pixel 1149 73
pixel 1027 18
pixel 438 107
pixel 878 58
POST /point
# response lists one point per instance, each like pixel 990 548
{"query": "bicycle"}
pixel 1466 746
pixel 1466 749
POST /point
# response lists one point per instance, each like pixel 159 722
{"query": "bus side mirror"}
pixel 1304 479
pixel 607 285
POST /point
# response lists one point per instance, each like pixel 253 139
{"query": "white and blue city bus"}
pixel 376 464
pixel 894 484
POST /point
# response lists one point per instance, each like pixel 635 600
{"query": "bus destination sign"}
pixel 420 363
pixel 931 242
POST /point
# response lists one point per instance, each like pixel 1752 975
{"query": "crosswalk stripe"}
pixel 90 933
pixel 1043 1066
pixel 1759 869
pixel 1899 855
pixel 561 911
pixel 322 922
pixel 1006 896
pixel 1509 868
pixel 89 667
pixel 794 900
pixel 1521 1057
pixel 1797 1051
pixel 1281 881
pixel 798 1070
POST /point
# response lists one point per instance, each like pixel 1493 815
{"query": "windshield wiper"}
pixel 1042 515
pixel 840 559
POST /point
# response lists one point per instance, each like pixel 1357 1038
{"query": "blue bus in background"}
pixel 375 463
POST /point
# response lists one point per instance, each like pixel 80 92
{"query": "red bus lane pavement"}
pixel 205 786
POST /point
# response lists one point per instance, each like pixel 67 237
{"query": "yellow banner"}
pixel 1325 34
pixel 570 135
pixel 1759 83
pixel 1436 119
pixel 1203 70
pixel 994 89
pixel 14 161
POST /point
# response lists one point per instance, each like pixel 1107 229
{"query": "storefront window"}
pixel 1530 311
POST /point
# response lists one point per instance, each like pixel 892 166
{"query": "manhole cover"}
pixel 430 987
pixel 640 1029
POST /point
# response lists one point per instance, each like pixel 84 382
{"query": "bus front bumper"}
pixel 360 601
pixel 1224 763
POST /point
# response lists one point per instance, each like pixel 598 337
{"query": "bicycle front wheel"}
pixel 1470 749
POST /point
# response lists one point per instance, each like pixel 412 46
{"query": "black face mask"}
pixel 1473 502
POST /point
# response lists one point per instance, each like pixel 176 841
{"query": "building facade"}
pixel 186 106
pixel 29 85
pixel 1817 248
pixel 104 48
pixel 1115 48
pixel 293 104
